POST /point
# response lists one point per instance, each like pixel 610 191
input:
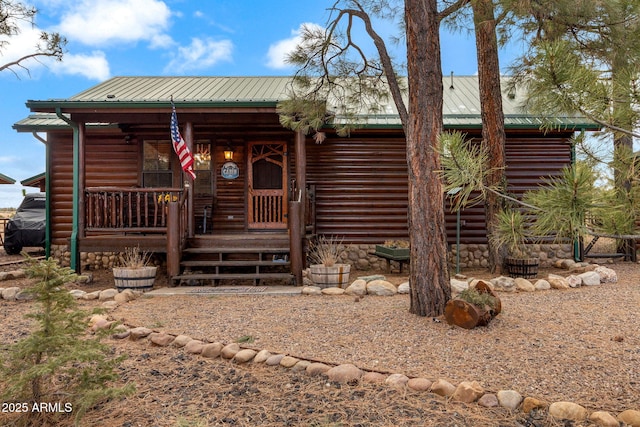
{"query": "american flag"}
pixel 180 147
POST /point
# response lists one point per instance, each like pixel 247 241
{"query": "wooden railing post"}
pixel 173 239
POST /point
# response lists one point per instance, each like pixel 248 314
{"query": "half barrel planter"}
pixel 336 276
pixel 526 268
pixel 135 278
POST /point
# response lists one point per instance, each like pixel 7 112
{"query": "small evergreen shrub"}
pixel 472 296
pixel 58 363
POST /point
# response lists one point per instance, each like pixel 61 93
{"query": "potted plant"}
pixel 325 269
pixel 134 271
pixel 511 233
pixel 475 306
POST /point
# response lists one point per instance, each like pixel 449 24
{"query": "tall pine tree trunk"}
pixel 430 288
pixel 622 143
pixel 493 135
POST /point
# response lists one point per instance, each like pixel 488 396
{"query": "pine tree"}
pixel 584 58
pixel 58 362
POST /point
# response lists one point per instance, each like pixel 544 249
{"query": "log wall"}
pixel 361 185
pixel 109 162
pixel 360 182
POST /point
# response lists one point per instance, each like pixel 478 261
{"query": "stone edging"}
pixel 465 392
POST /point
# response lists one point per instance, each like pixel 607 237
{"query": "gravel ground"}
pixel 580 345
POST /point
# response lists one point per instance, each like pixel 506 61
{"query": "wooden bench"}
pixel 388 258
pixel 587 249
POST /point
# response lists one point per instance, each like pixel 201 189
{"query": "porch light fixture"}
pixel 228 153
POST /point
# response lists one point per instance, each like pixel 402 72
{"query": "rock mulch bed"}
pixel 465 391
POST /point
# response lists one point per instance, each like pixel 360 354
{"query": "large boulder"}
pixel 504 284
pixel 557 282
pixel 607 275
pixel 590 278
pixel 381 288
pixel 344 373
pixel 458 286
pixel 358 287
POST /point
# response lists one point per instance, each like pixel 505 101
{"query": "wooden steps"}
pixel 253 257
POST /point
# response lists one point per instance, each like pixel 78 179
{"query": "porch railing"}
pixel 135 210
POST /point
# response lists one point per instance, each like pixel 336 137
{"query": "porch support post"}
pixel 73 241
pixel 301 176
pixel 173 239
pixel 295 240
pixel 297 209
pixel 188 138
pixel 82 134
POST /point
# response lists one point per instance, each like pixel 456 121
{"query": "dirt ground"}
pixel 580 345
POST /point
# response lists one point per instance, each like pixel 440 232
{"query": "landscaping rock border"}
pixel 465 392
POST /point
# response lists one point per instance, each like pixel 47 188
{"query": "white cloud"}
pixel 18 46
pixel 105 22
pixel 277 54
pixel 199 55
pixel 94 66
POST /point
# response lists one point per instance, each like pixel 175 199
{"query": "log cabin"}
pixel 260 191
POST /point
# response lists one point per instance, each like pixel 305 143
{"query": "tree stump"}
pixel 467 315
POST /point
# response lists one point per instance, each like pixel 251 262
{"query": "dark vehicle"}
pixel 27 227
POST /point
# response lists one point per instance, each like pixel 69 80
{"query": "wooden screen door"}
pixel 267 175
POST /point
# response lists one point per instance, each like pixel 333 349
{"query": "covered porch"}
pixel 159 220
pixel 113 179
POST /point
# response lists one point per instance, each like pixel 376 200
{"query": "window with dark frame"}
pixel 156 168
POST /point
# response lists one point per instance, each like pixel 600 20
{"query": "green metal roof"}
pixel 39 122
pixel 461 103
pixel 33 181
pixel 4 179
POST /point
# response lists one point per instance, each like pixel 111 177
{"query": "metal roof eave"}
pixel 512 122
pixel 4 179
pixel 31 181
pixel 562 128
pixel 18 127
pixel 51 105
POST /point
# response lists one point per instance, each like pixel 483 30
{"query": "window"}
pixel 156 169
pixel 202 165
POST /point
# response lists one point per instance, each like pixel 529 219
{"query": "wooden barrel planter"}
pixel 468 315
pixel 336 276
pixel 526 268
pixel 137 279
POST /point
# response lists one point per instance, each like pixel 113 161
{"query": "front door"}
pixel 203 187
pixel 267 181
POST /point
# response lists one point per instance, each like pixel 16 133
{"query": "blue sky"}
pixel 109 38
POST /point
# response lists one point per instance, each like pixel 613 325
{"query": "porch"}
pixel 160 220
